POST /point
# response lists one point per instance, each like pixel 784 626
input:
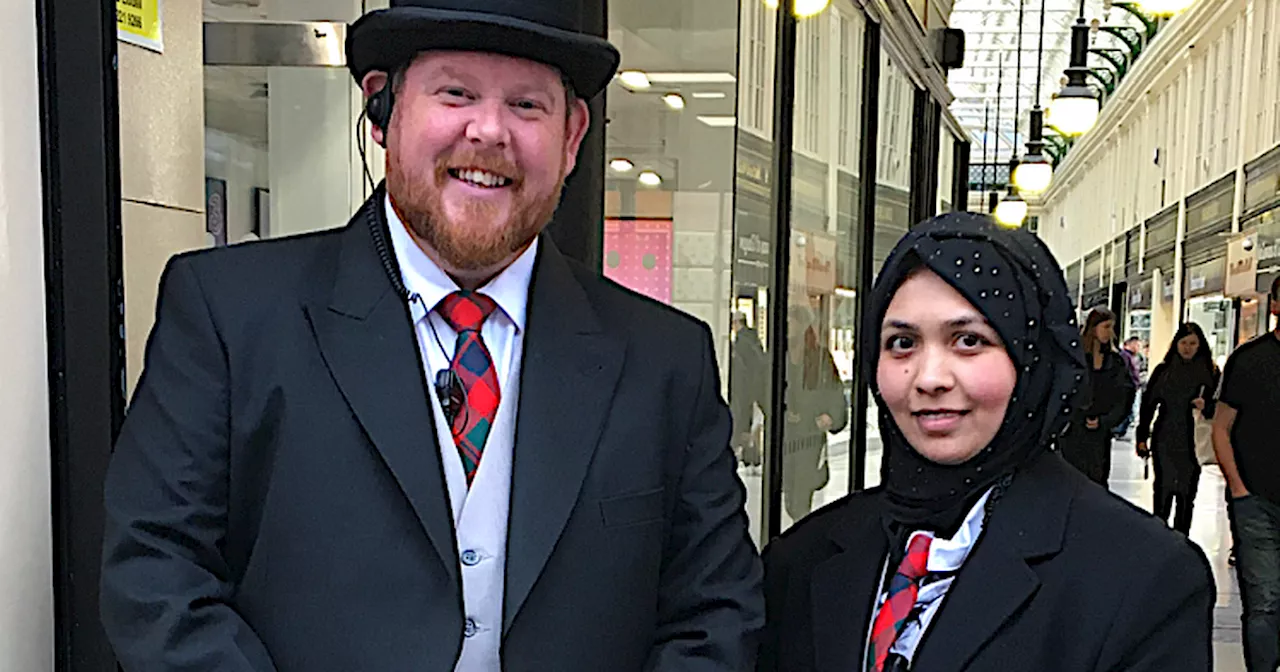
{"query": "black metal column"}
pixel 925 122
pixel 85 304
pixel 578 225
pixel 866 241
pixel 960 177
pixel 780 213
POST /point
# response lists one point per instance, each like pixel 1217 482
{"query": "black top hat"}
pixel 548 31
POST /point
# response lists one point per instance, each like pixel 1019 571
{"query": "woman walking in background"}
pixel 1087 444
pixel 1184 382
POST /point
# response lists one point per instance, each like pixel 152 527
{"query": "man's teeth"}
pixel 483 178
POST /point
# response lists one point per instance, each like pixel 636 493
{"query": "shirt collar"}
pixel 510 289
pixel 948 555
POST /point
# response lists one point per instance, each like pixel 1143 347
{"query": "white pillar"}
pixel 26 536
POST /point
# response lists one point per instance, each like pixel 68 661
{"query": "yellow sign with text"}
pixel 138 22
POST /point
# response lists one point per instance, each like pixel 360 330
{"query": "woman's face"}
pixel 1105 332
pixel 1187 346
pixel 943 372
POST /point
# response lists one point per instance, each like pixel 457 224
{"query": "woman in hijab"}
pixel 1087 445
pixel 1184 382
pixel 983 550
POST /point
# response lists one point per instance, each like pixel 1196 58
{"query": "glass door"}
pixel 282 155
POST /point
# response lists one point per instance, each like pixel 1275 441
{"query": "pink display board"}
pixel 637 255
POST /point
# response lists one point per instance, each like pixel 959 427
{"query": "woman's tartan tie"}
pixel 903 589
pixel 473 367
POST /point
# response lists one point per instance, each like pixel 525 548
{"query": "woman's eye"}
pixel 898 343
pixel 971 341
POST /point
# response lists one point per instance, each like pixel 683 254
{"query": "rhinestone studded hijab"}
pixel 1013 280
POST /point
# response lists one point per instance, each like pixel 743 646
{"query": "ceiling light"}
pixel 1011 211
pixel 622 165
pixel 802 8
pixel 691 77
pixel 1164 7
pixel 674 101
pixel 710 94
pixel 635 80
pixel 1075 110
pixel 650 179
pixel 807 8
pixel 1033 175
pixel 718 121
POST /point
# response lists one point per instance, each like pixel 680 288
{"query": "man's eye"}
pixel 527 105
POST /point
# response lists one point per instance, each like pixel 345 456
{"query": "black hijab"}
pixel 1013 280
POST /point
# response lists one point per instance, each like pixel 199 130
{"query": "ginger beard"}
pixel 475 240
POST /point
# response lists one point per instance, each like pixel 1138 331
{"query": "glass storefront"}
pixel 688 203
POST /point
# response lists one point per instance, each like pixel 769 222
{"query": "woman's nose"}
pixel 934 373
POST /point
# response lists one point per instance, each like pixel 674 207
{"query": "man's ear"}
pixel 579 120
pixel 373 83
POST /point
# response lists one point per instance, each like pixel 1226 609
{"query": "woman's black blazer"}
pixel 1066 578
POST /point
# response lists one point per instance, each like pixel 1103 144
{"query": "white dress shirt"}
pixel 480 513
pixel 946 556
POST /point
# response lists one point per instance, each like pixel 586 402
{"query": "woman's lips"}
pixel 940 421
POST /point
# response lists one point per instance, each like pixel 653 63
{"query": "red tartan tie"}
pixel 903 589
pixel 473 366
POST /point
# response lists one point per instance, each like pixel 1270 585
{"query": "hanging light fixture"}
pixel 1034 174
pixel 1075 110
pixel 1011 211
pixel 1164 8
pixel 803 9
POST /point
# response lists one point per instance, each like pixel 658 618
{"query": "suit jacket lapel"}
pixel 843 593
pixel 998 579
pixel 366 338
pixel 570 370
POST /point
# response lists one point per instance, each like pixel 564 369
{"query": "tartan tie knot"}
pixel 900 601
pixel 466 310
pixel 915 566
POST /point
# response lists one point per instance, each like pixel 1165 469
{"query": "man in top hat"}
pixel 427 440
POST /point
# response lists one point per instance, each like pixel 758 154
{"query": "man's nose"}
pixel 489 125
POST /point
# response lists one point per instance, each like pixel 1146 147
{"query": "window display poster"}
pixel 138 22
pixel 637 255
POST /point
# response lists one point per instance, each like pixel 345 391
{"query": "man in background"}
pixel 1246 438
pixel 1133 358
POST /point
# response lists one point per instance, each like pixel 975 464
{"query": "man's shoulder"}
pixel 263 258
pixel 263 271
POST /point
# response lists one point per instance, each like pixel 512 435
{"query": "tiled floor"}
pixel 1209 526
pixel 1211 530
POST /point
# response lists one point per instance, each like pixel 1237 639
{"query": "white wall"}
pixel 1205 95
pixel 26 610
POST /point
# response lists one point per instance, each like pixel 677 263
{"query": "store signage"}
pixel 1204 279
pixel 1242 265
pixel 138 22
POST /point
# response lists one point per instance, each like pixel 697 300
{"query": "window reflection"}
pixel 823 251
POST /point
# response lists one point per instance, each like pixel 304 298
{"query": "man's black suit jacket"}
pixel 1066 578
pixel 276 500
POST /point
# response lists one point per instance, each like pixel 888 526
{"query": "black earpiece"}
pixel 378 108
